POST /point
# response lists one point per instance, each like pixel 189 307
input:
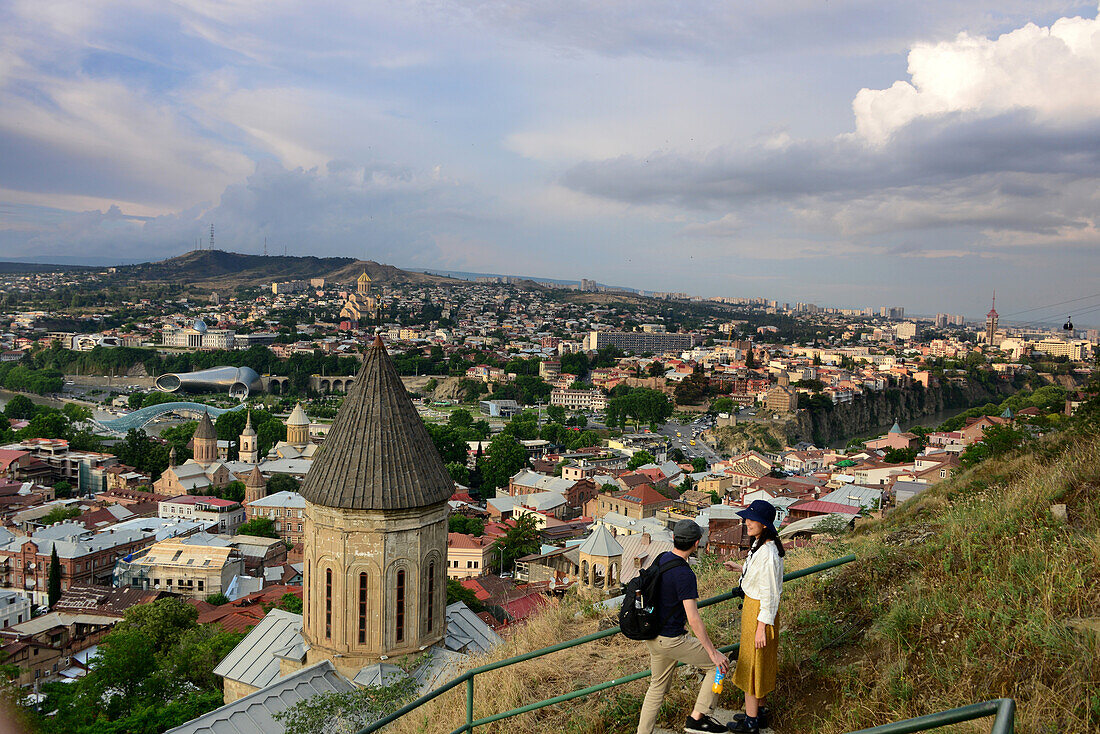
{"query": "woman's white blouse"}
pixel 762 579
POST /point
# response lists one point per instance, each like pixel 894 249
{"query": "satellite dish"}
pixel 1068 326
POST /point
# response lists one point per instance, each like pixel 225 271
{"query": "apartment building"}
pixel 194 571
pixel 217 515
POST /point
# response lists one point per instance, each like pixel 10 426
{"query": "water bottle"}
pixel 718 676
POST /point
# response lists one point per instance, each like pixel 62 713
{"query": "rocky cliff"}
pixel 867 413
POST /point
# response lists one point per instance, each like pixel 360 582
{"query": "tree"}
pixel 505 457
pixel 721 405
pixel 457 592
pixel 467 525
pixel 53 591
pixel 217 599
pixel 60 514
pixel 459 472
pixel 62 489
pixel 522 539
pixel 656 369
pixel 291 603
pixel 260 527
pixel 556 413
pixel 282 483
pixel 996 441
pixel 345 713
pixel 750 359
pixel 233 491
pixel 899 456
pixel 699 464
pixel 448 442
pixel 640 458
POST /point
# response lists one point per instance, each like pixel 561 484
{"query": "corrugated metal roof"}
pixel 601 543
pixel 254 714
pixel 252 661
pixel 466 631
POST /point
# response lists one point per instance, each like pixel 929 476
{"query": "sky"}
pixel 848 152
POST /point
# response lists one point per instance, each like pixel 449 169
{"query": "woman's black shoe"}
pixel 763 718
pixel 741 726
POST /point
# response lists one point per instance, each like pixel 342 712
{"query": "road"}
pixel 683 441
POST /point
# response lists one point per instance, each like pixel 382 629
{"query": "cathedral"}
pixel 361 305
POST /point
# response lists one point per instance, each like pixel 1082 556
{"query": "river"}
pixel 932 421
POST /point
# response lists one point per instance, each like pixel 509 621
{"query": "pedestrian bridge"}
pixel 145 416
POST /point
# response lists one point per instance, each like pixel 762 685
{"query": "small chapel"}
pixel 374 576
pixel 374 571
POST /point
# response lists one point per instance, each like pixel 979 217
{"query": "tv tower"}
pixel 211 235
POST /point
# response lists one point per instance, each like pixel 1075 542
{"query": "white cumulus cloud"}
pixel 1050 71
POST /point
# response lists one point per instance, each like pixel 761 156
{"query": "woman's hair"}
pixel 769 533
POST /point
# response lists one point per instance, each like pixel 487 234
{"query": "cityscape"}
pixel 378 369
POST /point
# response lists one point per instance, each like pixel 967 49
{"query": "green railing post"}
pixel 470 704
pixel 468 676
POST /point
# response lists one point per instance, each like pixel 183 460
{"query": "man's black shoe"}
pixel 741 726
pixel 705 725
pixel 763 718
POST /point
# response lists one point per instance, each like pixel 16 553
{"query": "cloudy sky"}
pixel 848 152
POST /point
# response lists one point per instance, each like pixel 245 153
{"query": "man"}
pixel 678 603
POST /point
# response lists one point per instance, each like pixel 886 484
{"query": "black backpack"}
pixel 639 618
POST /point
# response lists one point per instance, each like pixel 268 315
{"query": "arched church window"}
pixel 362 608
pixel 328 603
pixel 431 595
pixel 400 616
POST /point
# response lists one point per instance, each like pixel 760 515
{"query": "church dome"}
pixel 378 454
pixel 298 417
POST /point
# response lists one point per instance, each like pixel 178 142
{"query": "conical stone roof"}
pixel 378 455
pixel 248 429
pixel 205 428
pixel 255 478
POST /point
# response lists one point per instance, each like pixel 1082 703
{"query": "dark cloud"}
pixel 1006 157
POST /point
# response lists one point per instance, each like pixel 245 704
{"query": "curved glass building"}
pixel 239 381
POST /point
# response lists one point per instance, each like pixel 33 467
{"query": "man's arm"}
pixel 691 607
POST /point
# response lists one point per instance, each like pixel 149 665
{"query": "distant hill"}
pixel 16 267
pixel 220 269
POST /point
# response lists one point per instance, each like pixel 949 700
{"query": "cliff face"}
pixel 872 410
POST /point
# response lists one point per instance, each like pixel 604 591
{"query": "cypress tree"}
pixel 54 589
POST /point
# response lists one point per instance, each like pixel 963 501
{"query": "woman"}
pixel 762 584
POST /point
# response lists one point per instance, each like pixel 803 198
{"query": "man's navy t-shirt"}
pixel 677 584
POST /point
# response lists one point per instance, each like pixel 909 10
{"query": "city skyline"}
pixel 848 153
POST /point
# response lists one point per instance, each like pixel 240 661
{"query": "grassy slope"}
pixel 961 596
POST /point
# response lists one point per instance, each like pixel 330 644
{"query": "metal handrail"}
pixel 1004 709
pixel 468 676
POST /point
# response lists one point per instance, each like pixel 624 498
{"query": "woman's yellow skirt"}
pixel 755 668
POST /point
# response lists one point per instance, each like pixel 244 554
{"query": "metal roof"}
pixel 601 543
pixel 251 662
pixel 466 632
pixel 254 714
pixel 378 455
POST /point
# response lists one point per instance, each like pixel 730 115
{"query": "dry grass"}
pixel 961 596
